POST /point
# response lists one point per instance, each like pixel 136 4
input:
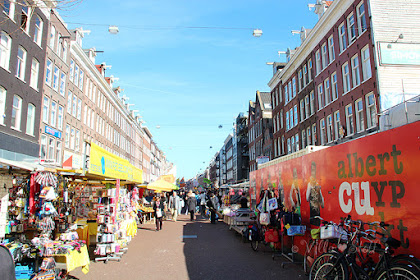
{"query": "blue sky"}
pixel 190 80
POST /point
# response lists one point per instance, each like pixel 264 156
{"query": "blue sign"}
pixel 52 131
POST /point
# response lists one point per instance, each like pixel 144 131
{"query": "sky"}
pixel 190 66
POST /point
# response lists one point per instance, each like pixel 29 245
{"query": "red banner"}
pixel 373 178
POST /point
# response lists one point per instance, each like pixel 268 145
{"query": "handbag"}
pixel 271 235
pixel 264 219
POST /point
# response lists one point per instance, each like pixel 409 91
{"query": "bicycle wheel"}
pixel 327 266
pixel 254 245
pixel 407 260
pixel 400 272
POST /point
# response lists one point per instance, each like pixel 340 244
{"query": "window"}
pixel 330 130
pixel 289 148
pixel 307 108
pixel 53 119
pixel 76 75
pixel 291 120
pixel 314 134
pixel 302 110
pixel 305 74
pixel 310 70
pixel 361 20
pixel 295 115
pixel 290 90
pixel 303 138
pixel 45 110
pixel 3 94
pixel 88 118
pixel 58 153
pixel 297 141
pixel 342 37
pixel 370 110
pixel 74 106
pixel 320 97
pixel 38 30
pixel 281 118
pixel 65 50
pixel 52 37
pixel 300 79
pixel 308 135
pixel 59 45
pixel 294 86
pixel 69 101
pixel 366 69
pixel 331 53
pixel 16 112
pixel 67 137
pixel 337 124
pixel 34 74
pixel 51 146
pixel 9 8
pixel 81 79
pixel 72 138
pixel 292 144
pixel 355 73
pixel 43 147
pixel 30 120
pixel 351 27
pixel 360 120
pixel 286 95
pixel 25 16
pixel 334 86
pixel 48 74
pixel 5 47
pixel 349 120
pixel 287 121
pixel 21 63
pixel 322 129
pixel 85 114
pixel 324 55
pixel 60 117
pixel 63 84
pixel 79 109
pixel 312 101
pixel 327 91
pixel 71 70
pixel 56 77
pixel 318 62
pixel 77 141
pixel 346 77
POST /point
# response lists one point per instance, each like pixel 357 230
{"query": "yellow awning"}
pixel 162 185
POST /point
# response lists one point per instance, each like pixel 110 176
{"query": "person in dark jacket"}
pixel 213 204
pixel 192 204
pixel 158 207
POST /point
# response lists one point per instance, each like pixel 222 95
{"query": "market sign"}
pixel 399 53
pixel 72 160
pixel 52 131
pixel 107 164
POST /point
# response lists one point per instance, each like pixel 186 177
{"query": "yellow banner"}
pixel 168 178
pixel 107 164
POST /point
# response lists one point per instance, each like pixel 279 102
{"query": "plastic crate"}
pixel 296 230
pixel 23 272
pixel 333 232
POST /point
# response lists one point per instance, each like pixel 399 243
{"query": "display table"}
pixel 74 259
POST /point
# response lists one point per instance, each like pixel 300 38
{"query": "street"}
pixel 191 250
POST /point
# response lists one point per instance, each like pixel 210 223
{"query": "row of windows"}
pixel 17 112
pixel 72 138
pixel 53 114
pixel 76 75
pixel 57 43
pixel 74 105
pixel 55 78
pixel 50 149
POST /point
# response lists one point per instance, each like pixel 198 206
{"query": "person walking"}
pixel 158 207
pixel 213 205
pixel 174 205
pixel 203 204
pixel 192 204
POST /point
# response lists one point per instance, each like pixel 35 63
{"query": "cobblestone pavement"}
pixel 191 250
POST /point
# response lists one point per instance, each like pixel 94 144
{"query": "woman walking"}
pixel 192 204
pixel 158 207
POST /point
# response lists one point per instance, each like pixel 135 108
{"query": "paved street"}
pixel 191 250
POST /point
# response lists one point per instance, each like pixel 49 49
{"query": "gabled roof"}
pixel 264 99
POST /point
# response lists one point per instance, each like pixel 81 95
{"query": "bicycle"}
pixel 338 264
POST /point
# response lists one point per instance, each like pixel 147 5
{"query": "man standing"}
pixel 192 204
pixel 203 203
pixel 174 205
pixel 213 205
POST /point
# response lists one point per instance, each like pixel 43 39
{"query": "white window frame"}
pixel 43 147
pixel 300 80
pixel 58 150
pixel 30 119
pixel 309 70
pixel 320 90
pixel 314 134
pixel 330 129
pixel 334 86
pixel 327 91
pixel 21 63
pixel 45 110
pixel 360 117
pixel 17 112
pixel 342 37
pixel 60 117
pixel 355 70
pixel 81 77
pixel 69 102
pixel 295 115
pixel 51 42
pixel 346 78
pixel 361 18
pixel 10 11
pixel 337 124
pixel 324 55
pixel 351 28
pixel 74 106
pixel 307 107
pixel 25 17
pixel 51 148
pixel 302 110
pixel 39 25
pixel 53 116
pixel 287 121
pixel 67 136
pixel 76 75
pixel 33 83
pixel 3 95
pixel 49 72
pixel 5 49
pixel 349 120
pixel 294 87
pixel 322 131
pixel 62 89
pixel 312 101
pixel 371 113
pixel 79 109
pixel 71 73
pixel 305 75
pixel 366 66
pixel 72 137
pixel 308 136
pixel 331 53
pixel 56 78
pixel 318 62
pixel 77 141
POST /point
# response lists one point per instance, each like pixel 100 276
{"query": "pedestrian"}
pixel 244 201
pixel 203 204
pixel 158 207
pixel 174 205
pixel 184 209
pixel 192 204
pixel 213 204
